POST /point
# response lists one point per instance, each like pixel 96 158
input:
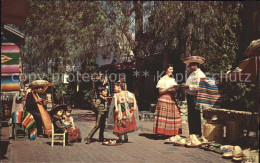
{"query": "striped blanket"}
pixel 27 120
pixel 10 58
pixel 208 93
pixel 10 83
pixel 10 64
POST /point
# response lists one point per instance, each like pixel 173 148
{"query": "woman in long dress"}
pixel 167 119
pixel 124 119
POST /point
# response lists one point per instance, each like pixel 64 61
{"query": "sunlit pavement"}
pixel 143 146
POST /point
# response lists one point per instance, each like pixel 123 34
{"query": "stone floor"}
pixel 144 146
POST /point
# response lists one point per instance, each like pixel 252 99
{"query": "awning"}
pixel 13 35
pixel 245 72
pixel 253 48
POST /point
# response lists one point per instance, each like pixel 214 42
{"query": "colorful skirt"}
pixel 125 126
pixel 74 134
pixel 167 119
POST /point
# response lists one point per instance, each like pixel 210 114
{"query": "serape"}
pixel 208 92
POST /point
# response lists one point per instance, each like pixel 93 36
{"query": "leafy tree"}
pixel 208 29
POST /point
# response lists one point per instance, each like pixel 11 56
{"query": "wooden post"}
pixel 257 109
pixel 257 90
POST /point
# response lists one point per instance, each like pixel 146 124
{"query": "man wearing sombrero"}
pixel 191 89
pixel 38 87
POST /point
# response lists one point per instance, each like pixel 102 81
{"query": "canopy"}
pixel 245 72
pixel 253 48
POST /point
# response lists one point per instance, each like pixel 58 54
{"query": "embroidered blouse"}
pixel 164 83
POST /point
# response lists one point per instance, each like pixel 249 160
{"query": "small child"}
pixel 74 132
pixel 101 106
pixel 59 126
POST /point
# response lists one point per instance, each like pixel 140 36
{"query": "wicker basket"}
pixel 233 130
pixel 213 131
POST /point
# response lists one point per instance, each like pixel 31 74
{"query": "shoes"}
pixel 40 136
pixel 125 138
pixel 172 139
pixel 68 144
pixel 112 143
pixel 79 140
pixel 204 140
pixel 193 141
pixel 88 140
pixel 119 141
pixel 180 142
pixel 101 139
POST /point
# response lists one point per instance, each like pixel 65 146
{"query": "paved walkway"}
pixel 144 146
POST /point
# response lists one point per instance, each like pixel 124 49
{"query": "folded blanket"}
pixel 27 120
pixel 208 92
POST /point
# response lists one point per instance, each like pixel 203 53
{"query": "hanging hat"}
pixel 39 83
pixel 197 59
pixel 57 108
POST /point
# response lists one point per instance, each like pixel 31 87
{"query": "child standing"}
pixel 58 125
pixel 74 132
pixel 101 106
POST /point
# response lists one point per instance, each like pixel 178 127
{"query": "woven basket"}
pixel 213 131
pixel 233 130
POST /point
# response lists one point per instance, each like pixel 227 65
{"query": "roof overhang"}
pixel 13 35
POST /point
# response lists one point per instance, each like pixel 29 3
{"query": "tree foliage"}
pixel 209 29
pixel 62 29
pixel 72 31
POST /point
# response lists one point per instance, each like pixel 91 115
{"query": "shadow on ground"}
pixel 154 136
pixel 84 117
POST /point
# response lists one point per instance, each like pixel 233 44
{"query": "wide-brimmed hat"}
pixel 197 59
pixel 57 108
pixel 39 83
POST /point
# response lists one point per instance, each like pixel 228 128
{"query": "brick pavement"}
pixel 144 146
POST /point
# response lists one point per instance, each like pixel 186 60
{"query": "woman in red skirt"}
pixel 124 113
pixel 167 119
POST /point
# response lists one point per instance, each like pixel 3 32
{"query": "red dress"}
pixel 125 122
pixel 74 133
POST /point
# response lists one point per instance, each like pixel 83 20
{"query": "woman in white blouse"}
pixel 167 116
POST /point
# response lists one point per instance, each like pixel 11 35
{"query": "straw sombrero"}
pixel 39 83
pixel 197 59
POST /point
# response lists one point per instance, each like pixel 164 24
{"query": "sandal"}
pixel 193 142
pixel 110 143
pixel 172 139
pixel 181 142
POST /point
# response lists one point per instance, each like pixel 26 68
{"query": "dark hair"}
pixel 165 68
pixel 55 111
pixel 121 84
pixel 101 88
pixel 68 110
pixel 198 65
